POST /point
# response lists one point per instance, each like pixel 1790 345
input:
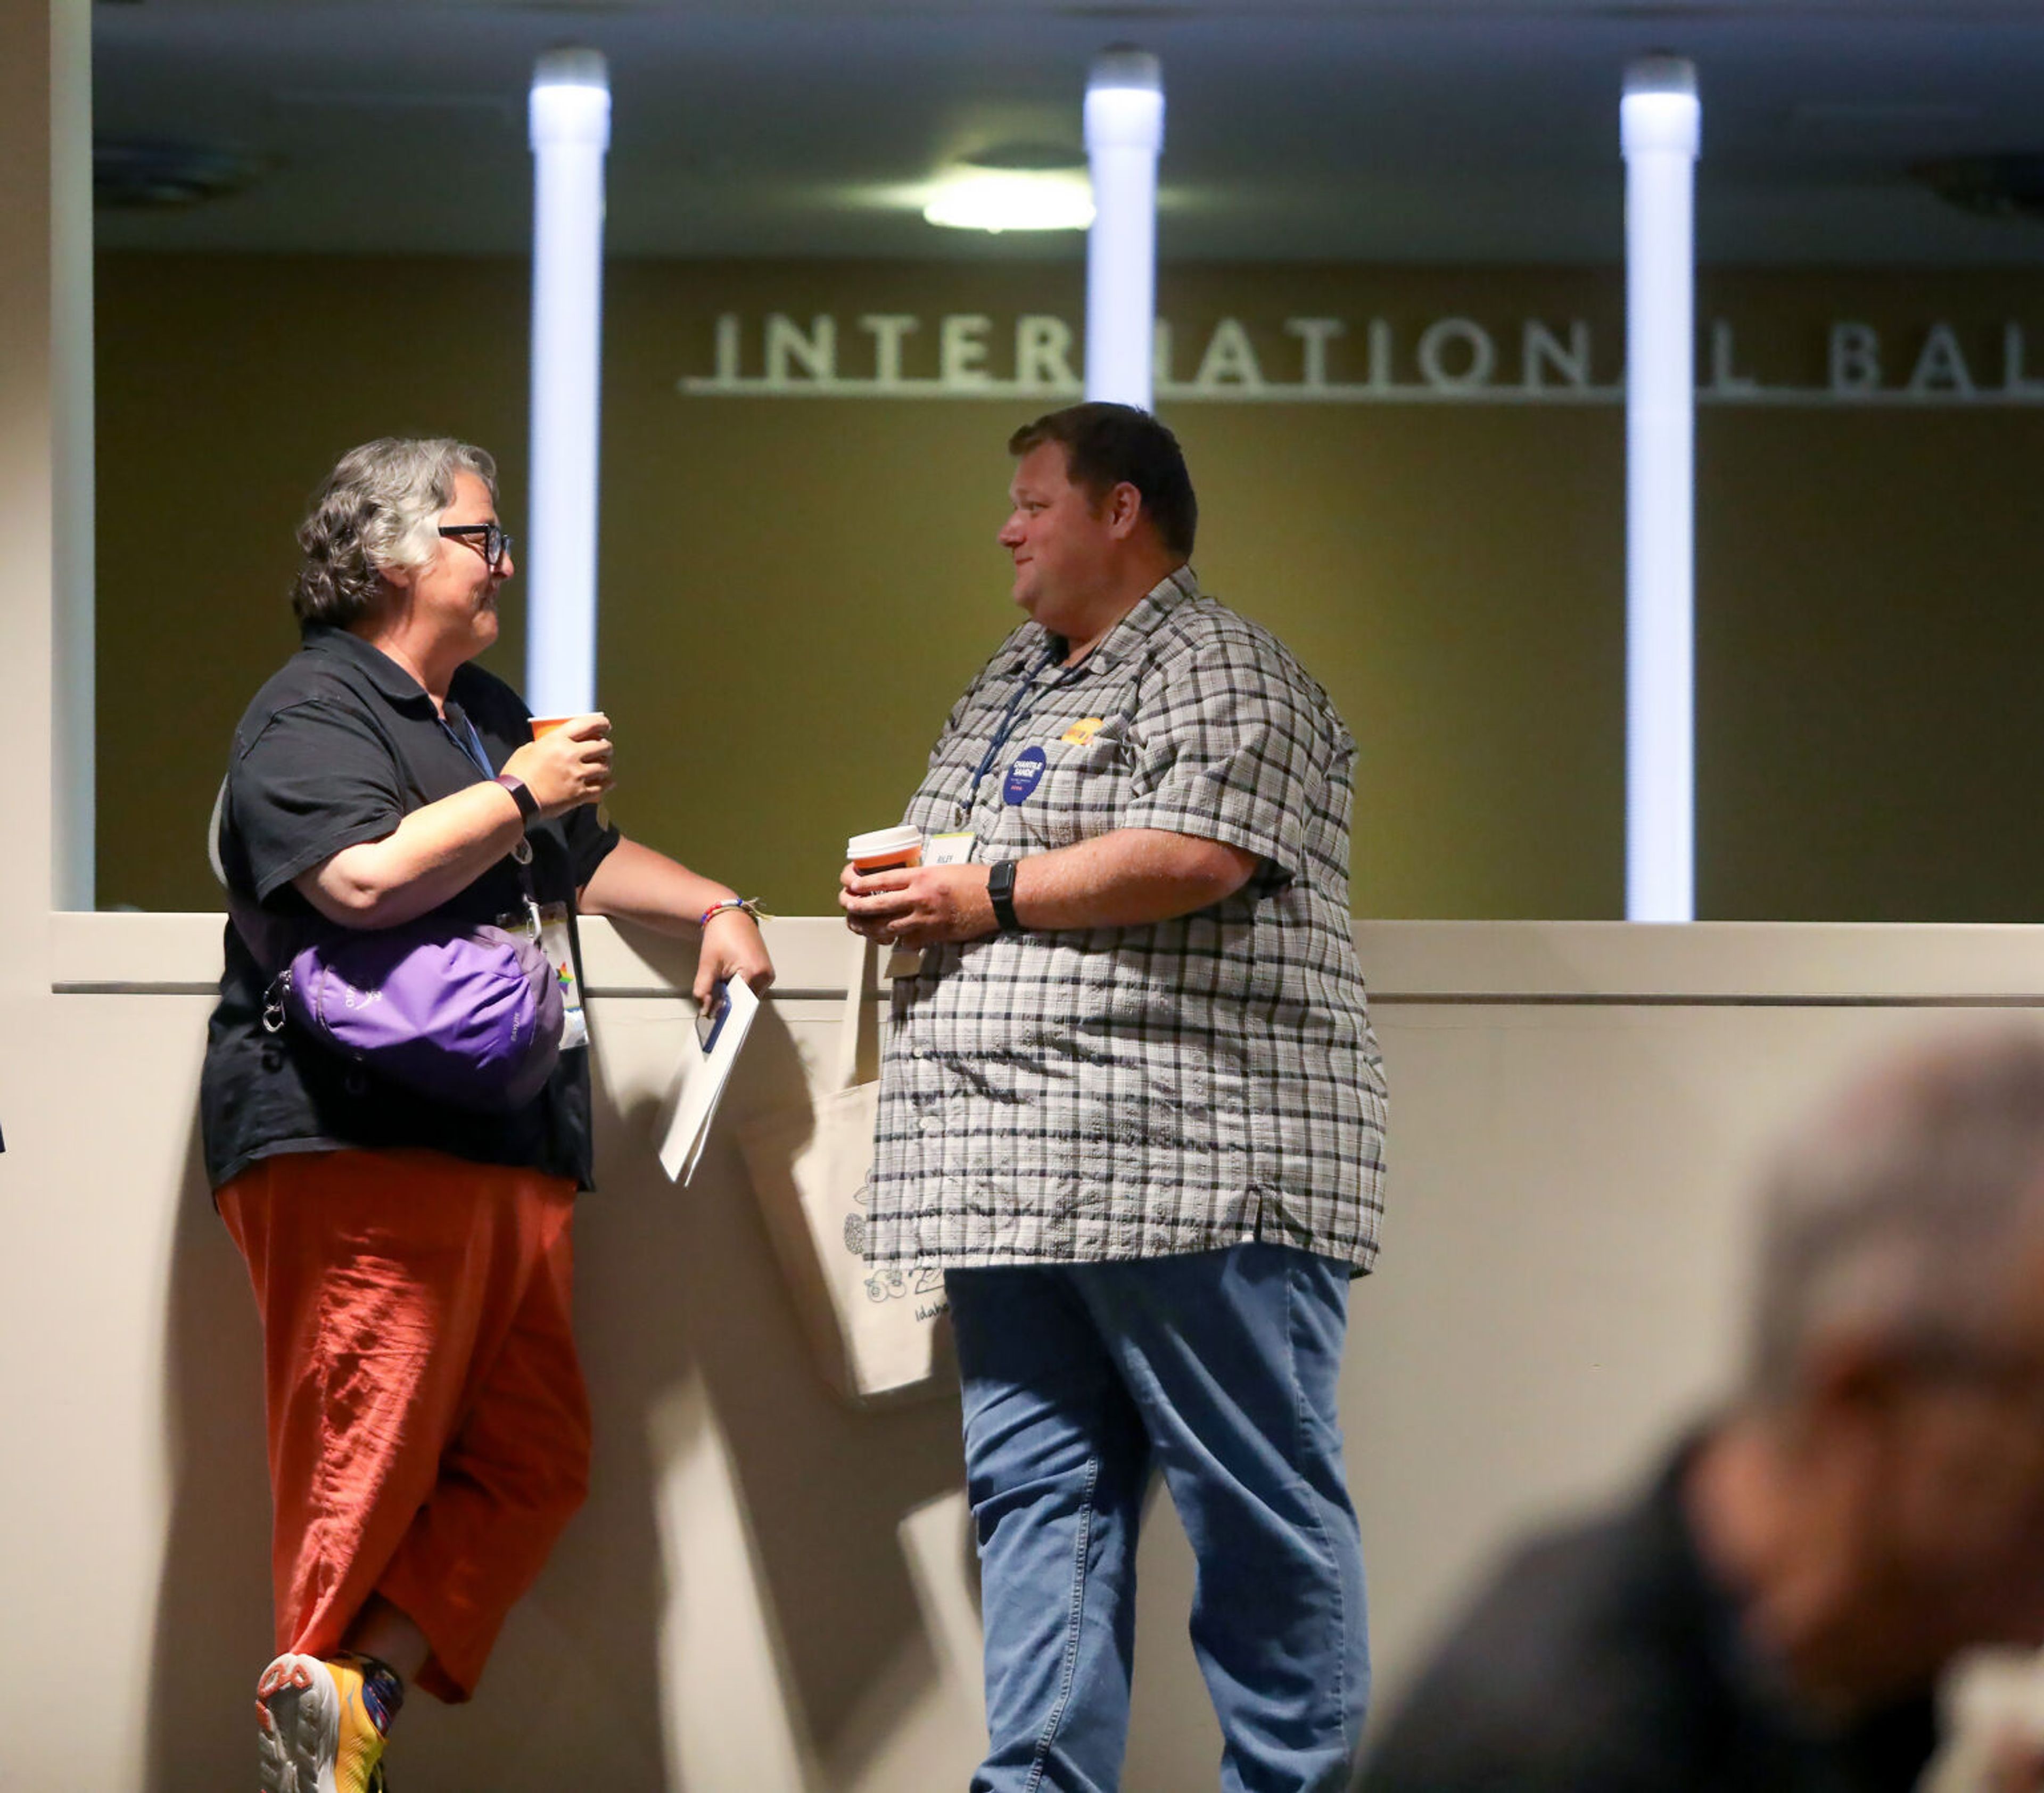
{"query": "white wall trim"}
pixel 1896 963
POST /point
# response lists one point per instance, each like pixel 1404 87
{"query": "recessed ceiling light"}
pixel 2007 186
pixel 143 174
pixel 1027 158
pixel 998 200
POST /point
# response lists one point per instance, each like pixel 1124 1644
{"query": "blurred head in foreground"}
pixel 1896 1371
pixel 1774 1611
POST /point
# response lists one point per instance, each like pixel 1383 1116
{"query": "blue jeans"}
pixel 1219 1368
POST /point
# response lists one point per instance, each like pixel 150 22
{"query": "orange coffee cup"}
pixel 544 725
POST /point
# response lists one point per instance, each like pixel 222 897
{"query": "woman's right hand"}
pixel 569 766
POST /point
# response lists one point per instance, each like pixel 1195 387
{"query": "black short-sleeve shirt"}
pixel 337 748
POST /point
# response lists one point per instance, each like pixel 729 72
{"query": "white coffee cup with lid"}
pixel 885 849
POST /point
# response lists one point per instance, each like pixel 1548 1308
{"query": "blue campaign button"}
pixel 1022 776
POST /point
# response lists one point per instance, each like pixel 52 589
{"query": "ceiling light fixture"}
pixel 1124 133
pixel 1031 158
pixel 1661 124
pixel 1012 199
pixel 2007 186
pixel 140 174
pixel 569 113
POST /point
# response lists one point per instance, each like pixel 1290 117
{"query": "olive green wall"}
pixel 794 590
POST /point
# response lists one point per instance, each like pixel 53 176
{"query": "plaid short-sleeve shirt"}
pixel 1086 1095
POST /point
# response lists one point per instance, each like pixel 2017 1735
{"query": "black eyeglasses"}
pixel 494 545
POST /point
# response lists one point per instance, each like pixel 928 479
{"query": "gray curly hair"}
pixel 376 510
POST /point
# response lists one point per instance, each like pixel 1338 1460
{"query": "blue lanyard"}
pixel 1012 719
pixel 521 851
pixel 473 747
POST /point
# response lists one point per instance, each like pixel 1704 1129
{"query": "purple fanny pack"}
pixel 472 1018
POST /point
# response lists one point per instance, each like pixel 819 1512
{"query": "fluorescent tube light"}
pixel 1660 128
pixel 1125 134
pixel 570 130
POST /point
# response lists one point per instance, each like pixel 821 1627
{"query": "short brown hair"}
pixel 1109 445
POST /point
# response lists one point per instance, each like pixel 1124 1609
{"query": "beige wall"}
pixel 769 1592
pixel 795 589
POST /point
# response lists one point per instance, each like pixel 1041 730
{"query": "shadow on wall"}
pixel 212 1605
pixel 822 1490
pixel 695 1356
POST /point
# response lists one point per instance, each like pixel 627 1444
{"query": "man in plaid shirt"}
pixel 1132 1106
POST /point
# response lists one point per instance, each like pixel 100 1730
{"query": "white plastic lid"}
pixel 883 840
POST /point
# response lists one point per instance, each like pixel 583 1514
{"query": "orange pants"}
pixel 429 1428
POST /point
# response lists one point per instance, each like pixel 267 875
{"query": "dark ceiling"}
pixel 1465 131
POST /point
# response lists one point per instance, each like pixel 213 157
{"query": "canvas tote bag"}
pixel 879 1335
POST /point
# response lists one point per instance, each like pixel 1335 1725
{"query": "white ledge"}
pixel 1587 962
pixel 1800 962
pixel 179 954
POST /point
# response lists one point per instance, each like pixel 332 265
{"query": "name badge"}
pixel 560 954
pixel 548 924
pixel 1024 775
pixel 948 849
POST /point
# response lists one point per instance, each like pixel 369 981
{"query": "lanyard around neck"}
pixel 521 853
pixel 472 746
pixel 1012 719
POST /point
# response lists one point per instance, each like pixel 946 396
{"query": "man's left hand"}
pixel 927 906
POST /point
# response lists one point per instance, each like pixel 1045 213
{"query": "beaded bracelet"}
pixel 749 904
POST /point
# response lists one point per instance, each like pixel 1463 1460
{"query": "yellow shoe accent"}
pixel 314 1734
pixel 359 1747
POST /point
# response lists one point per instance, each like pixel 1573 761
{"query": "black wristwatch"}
pixel 521 794
pixel 1001 892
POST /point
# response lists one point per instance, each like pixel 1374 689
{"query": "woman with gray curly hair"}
pixel 428 1430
